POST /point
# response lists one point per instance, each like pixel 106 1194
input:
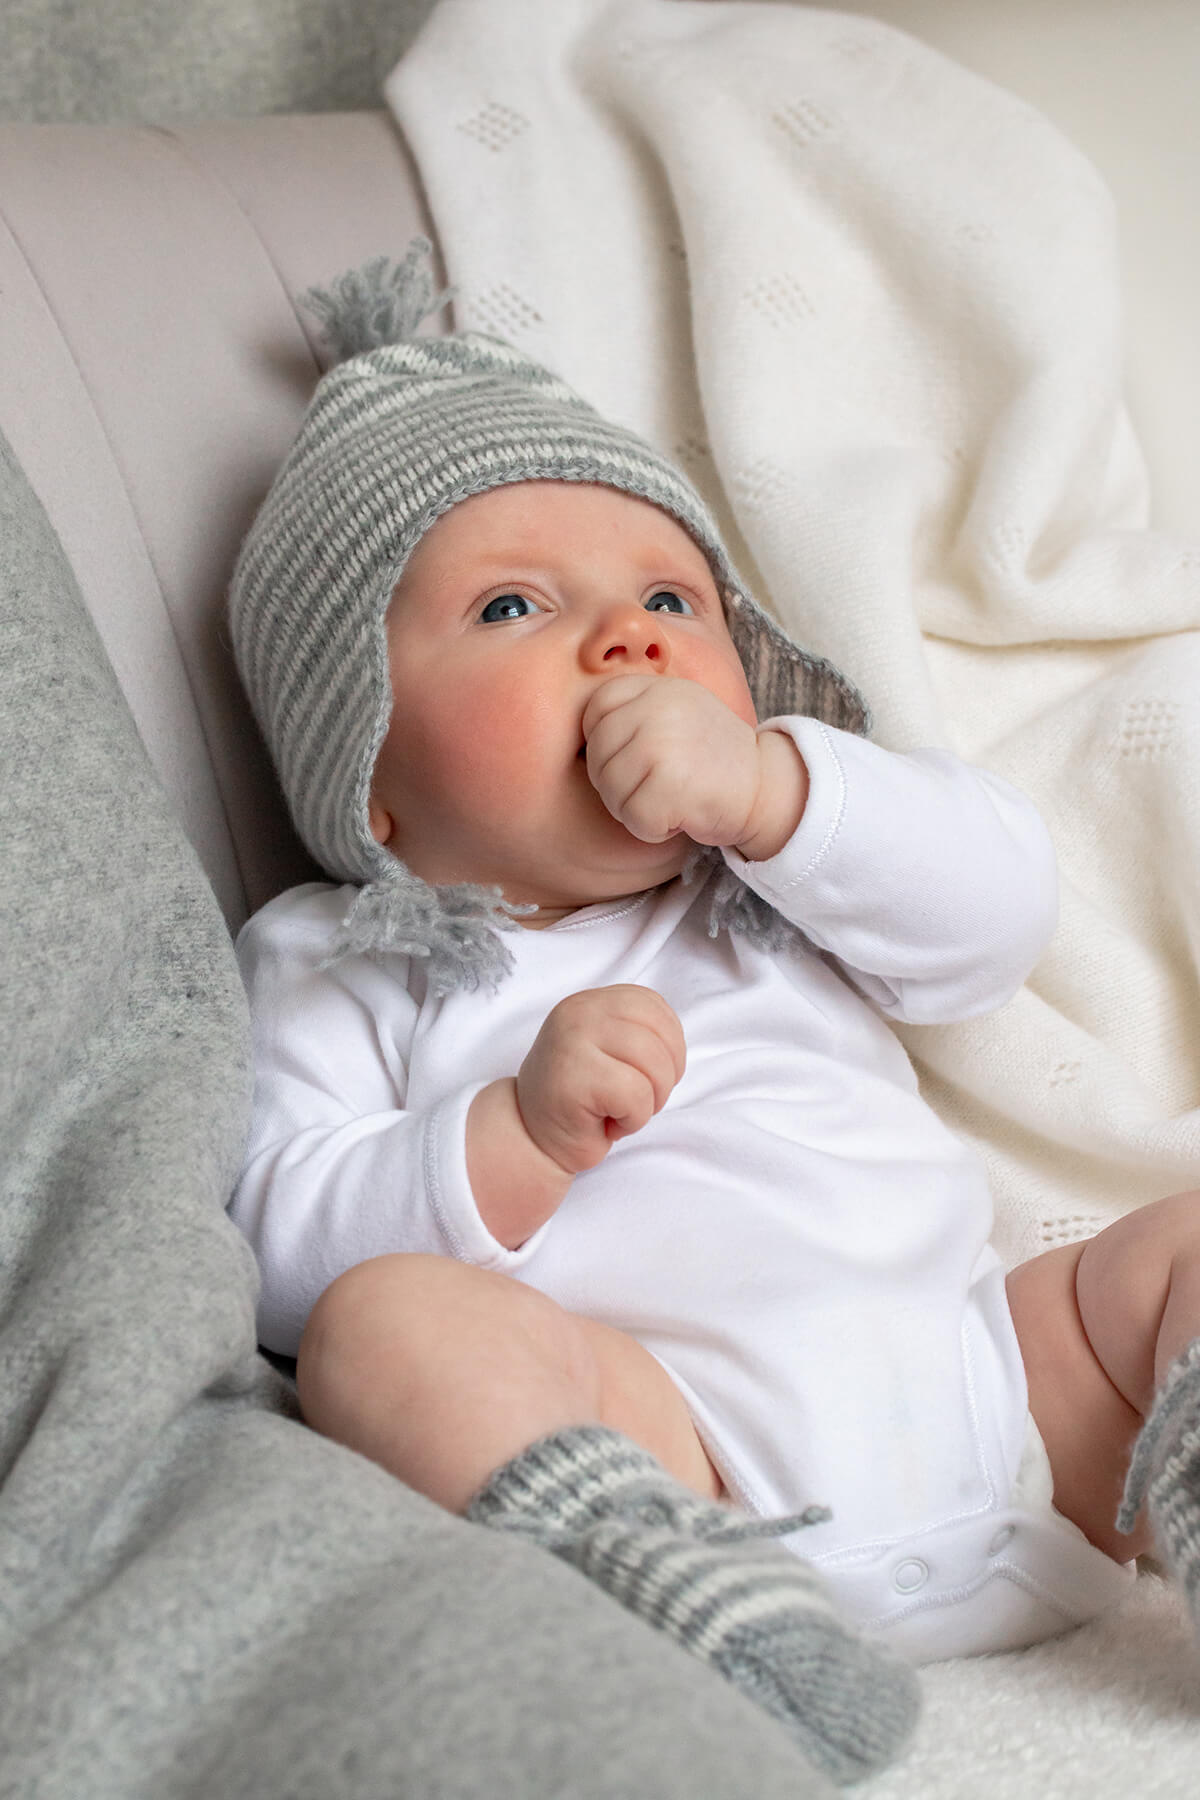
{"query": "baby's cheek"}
pixel 498 746
pixel 724 676
pixel 739 701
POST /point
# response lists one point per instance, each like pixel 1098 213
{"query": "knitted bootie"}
pixel 1164 1471
pixel 711 1579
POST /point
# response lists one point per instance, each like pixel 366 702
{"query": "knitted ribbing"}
pixel 709 1577
pixel 1164 1473
pixel 565 1483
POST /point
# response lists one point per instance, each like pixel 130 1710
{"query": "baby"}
pixel 588 1183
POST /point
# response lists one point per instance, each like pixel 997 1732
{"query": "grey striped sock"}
pixel 1164 1472
pixel 711 1579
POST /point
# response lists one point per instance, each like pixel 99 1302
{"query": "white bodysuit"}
pixel 796 1236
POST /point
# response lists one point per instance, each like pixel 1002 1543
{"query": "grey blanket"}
pixel 197 1595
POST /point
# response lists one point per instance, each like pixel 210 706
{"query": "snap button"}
pixel 908 1576
pixel 1004 1536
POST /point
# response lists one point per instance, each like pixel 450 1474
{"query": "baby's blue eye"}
pixel 506 606
pixel 666 601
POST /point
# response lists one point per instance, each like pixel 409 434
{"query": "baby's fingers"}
pixel 645 1007
pixel 638 793
pixel 644 1072
pixel 628 1101
pixel 613 696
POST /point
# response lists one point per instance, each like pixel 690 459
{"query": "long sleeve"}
pixel 931 883
pixel 338 1169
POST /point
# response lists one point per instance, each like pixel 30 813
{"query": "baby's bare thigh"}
pixel 424 1363
pixel 1086 1424
pixel 638 1397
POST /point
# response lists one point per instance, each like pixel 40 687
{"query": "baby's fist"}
pixel 667 756
pixel 604 1062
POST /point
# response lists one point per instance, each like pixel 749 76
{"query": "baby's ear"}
pixel 380 820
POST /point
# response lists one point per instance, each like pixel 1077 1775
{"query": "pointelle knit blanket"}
pixel 870 302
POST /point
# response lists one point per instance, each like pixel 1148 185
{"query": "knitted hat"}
pixel 400 430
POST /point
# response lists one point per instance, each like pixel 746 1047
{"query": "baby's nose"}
pixel 628 637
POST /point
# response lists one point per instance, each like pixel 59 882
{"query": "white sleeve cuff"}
pixel 813 838
pixel 444 1166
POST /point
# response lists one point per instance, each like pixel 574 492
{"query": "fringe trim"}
pixel 734 907
pixel 456 929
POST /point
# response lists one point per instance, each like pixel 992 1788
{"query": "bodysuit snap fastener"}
pixel 908 1576
pixel 1004 1536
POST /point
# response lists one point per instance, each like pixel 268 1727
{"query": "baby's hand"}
pixel 667 756
pixel 603 1064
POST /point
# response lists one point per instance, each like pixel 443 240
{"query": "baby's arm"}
pixel 602 1065
pixel 933 883
pixel 340 1166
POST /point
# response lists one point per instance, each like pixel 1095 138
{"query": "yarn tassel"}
pixel 380 303
pixel 454 928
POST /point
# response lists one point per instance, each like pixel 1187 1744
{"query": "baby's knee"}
pixel 1172 1224
pixel 440 1371
pixel 409 1325
pixel 379 1314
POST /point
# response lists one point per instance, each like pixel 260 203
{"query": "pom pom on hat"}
pixel 381 303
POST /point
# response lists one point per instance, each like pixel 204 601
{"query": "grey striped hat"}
pixel 400 430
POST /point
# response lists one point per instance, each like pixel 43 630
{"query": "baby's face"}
pixel 513 608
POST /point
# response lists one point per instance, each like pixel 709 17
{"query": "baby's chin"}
pixel 625 881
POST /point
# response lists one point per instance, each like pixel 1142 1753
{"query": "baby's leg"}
pixel 442 1372
pixel 1100 1324
pixel 494 1401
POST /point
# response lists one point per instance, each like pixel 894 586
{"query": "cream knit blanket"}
pixel 870 302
